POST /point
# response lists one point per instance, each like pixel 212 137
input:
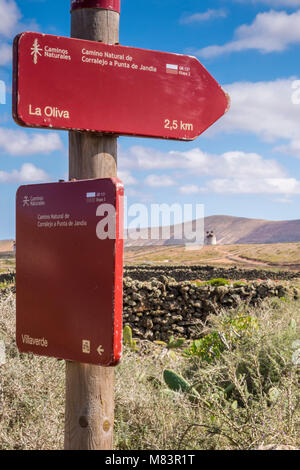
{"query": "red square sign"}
pixel 69 269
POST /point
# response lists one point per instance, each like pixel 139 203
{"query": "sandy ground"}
pixel 219 255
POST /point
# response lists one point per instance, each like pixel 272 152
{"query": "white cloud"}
pixel 16 142
pixel 240 164
pixel 141 195
pixel 5 53
pixel 10 24
pixel 205 16
pixel 271 31
pixel 261 108
pixel 247 173
pixel 196 162
pixel 126 177
pixel 143 158
pixel 234 172
pixel 189 189
pixel 27 174
pixel 293 148
pixel 236 164
pixel 9 15
pixel 275 3
pixel 282 200
pixel 287 186
pixel 159 181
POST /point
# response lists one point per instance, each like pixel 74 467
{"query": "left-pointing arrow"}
pixel 100 350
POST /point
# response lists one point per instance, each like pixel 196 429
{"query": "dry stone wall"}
pixel 185 273
pixel 7 277
pixel 161 307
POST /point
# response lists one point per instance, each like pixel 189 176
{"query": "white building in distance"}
pixel 211 238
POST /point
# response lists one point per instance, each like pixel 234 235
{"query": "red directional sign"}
pixel 74 84
pixel 69 261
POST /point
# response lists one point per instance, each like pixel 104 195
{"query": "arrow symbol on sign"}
pixel 100 350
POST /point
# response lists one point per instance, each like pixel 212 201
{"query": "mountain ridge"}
pixel 229 230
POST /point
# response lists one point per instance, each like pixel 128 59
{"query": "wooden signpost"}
pixel 150 94
pixel 89 408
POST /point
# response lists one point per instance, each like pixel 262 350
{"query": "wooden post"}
pixel 89 409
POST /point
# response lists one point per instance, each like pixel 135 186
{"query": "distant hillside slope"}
pixel 6 245
pixel 230 230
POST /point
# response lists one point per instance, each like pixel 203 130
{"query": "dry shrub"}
pixel 260 407
pixel 31 392
pixel 249 396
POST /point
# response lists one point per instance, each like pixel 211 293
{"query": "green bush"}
pixel 178 384
pixel 212 282
pixel 239 284
pixel 207 349
pixel 212 345
pixel 127 338
pixel 175 382
pixel 175 343
pixel 218 282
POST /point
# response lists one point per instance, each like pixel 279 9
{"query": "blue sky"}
pixel 247 164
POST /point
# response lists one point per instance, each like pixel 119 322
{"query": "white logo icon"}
pixel 36 51
pixel 26 201
pixel 86 346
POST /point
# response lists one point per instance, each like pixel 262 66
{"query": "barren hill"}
pixel 6 245
pixel 230 230
pixel 239 230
